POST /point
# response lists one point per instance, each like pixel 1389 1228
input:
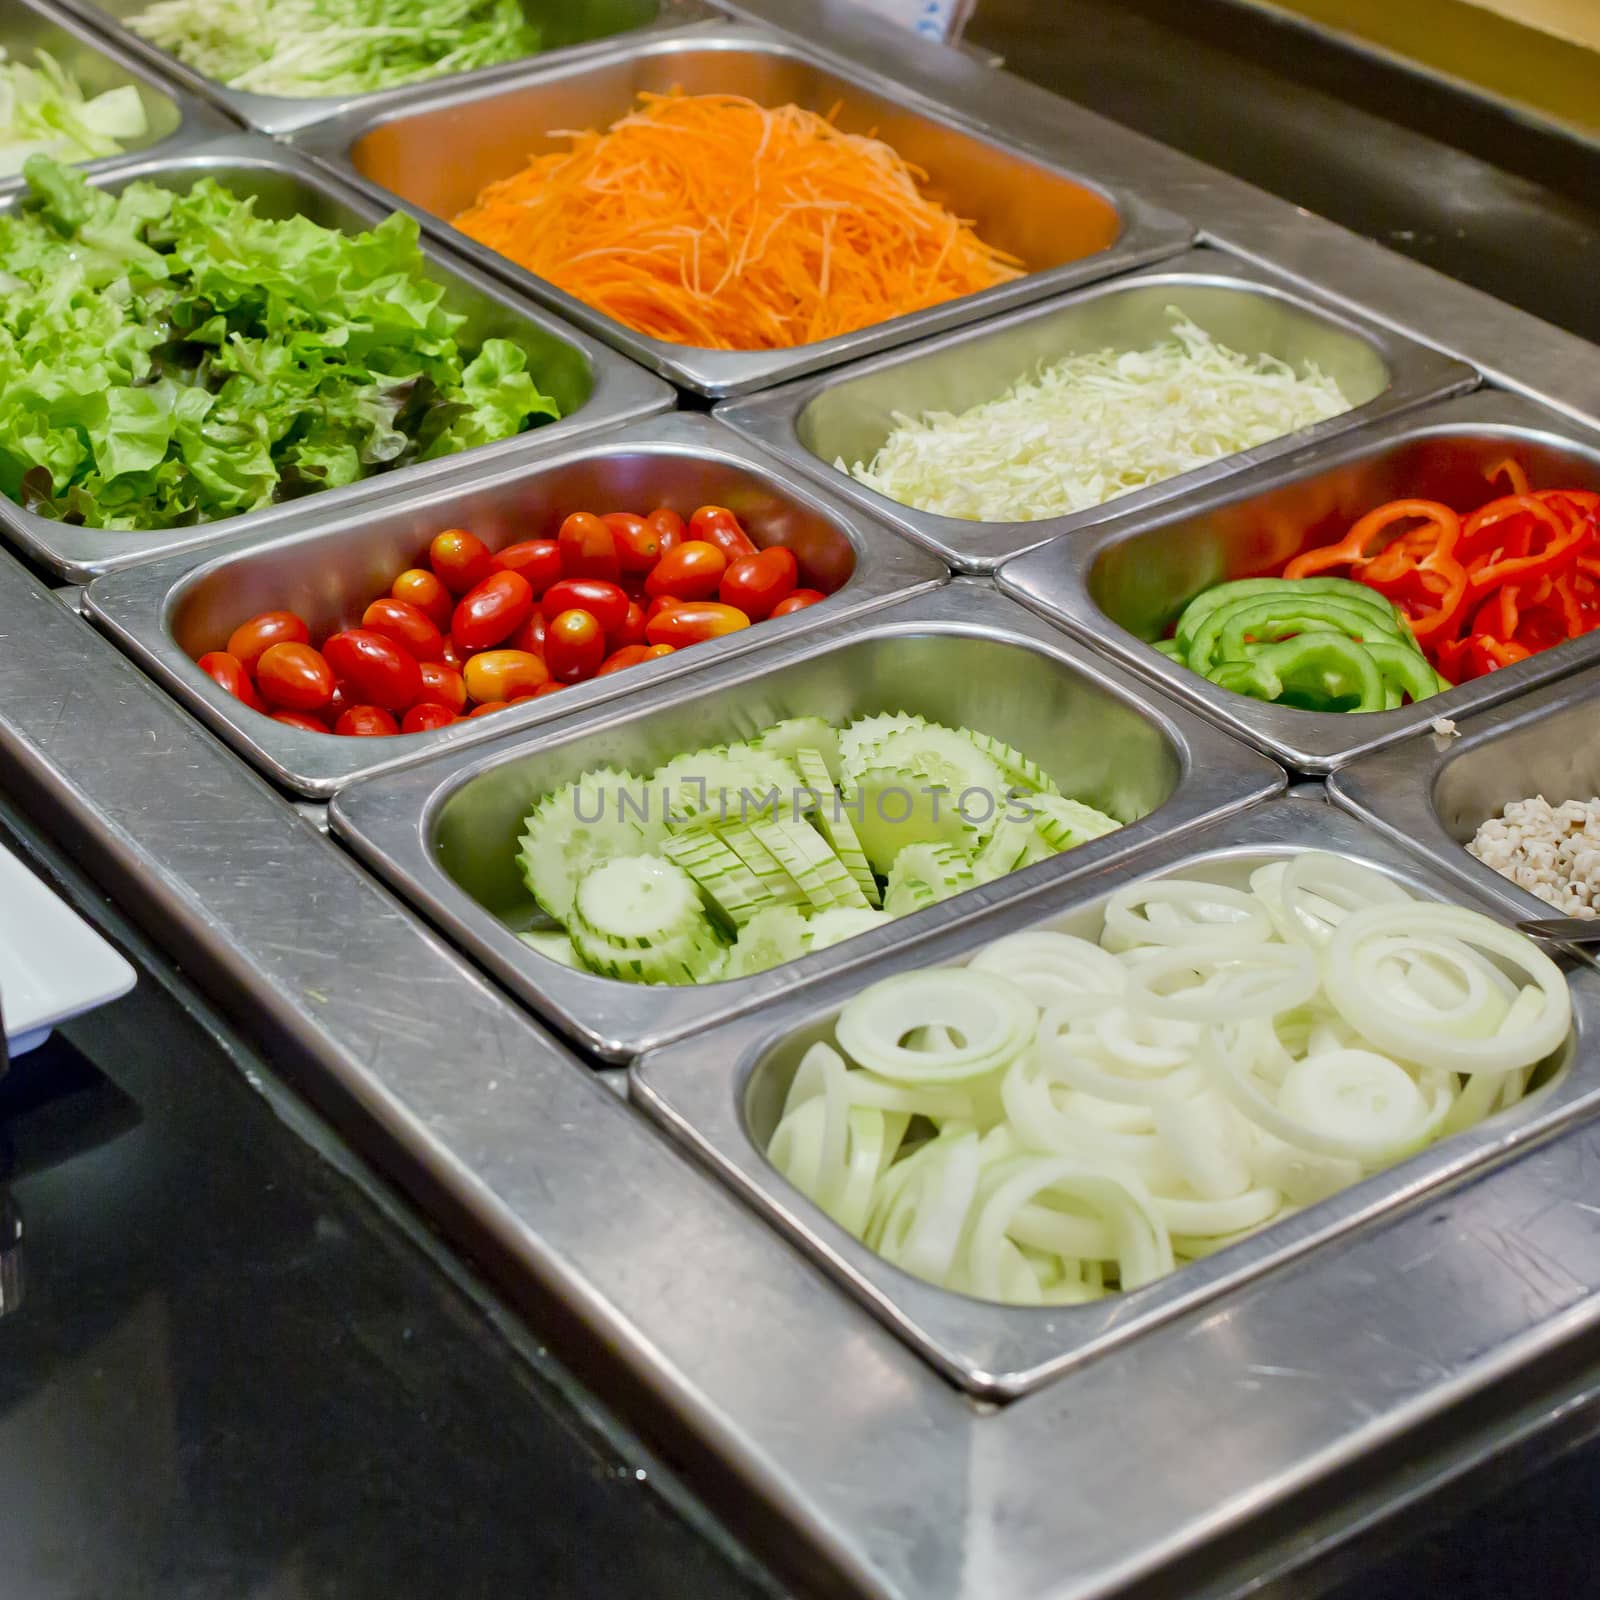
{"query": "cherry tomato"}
pixel 424 591
pixel 366 722
pixel 717 525
pixel 605 602
pixel 630 655
pixel 375 671
pixel 538 560
pixel 798 601
pixel 505 675
pixel 574 646
pixel 425 716
pixel 413 630
pixel 337 706
pixel 228 673
pixel 451 656
pixel 668 527
pixel 587 548
pixel 694 622
pixel 442 686
pixel 691 572
pixel 489 709
pixel 530 636
pixel 656 651
pixel 757 583
pixel 491 612
pixel 247 642
pixel 300 719
pixel 632 629
pixel 549 688
pixel 460 559
pixel 638 544
pixel 294 677
pixel 662 602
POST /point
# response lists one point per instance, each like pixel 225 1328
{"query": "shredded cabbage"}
pixel 44 111
pixel 1091 427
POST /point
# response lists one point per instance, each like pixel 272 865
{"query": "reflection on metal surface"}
pixel 10 1254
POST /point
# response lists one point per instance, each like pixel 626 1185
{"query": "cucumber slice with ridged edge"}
pixel 768 870
pixel 639 902
pixel 844 922
pixel 891 808
pixel 803 853
pixel 790 737
pixel 1020 770
pixel 859 740
pixel 923 875
pixel 575 828
pixel 727 885
pixel 834 825
pixel 1011 845
pixel 768 939
pixel 1064 823
pixel 727 784
pixel 555 944
pixel 947 760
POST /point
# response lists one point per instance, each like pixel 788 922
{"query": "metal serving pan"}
pixel 722 1095
pixel 848 415
pixel 595 387
pixel 98 64
pixel 167 613
pixel 1124 585
pixel 571 25
pixel 1432 795
pixel 445 832
pixel 436 153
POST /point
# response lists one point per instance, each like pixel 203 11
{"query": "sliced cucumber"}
pixel 833 824
pixel 728 784
pixel 844 922
pixel 1065 823
pixel 774 881
pixel 639 902
pixel 768 939
pixel 727 885
pixel 858 743
pixel 789 738
pixel 947 760
pixel 924 874
pixel 891 808
pixel 1010 846
pixel 803 853
pixel 574 828
pixel 555 944
pixel 1020 771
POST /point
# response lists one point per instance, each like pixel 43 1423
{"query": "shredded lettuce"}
pixel 1094 426
pixel 44 111
pixel 313 48
pixel 171 358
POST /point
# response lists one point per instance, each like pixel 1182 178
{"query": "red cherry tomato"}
pixel 691 572
pixel 549 688
pixel 632 629
pixel 337 706
pixel 491 612
pixel 694 622
pixel 538 560
pixel 442 686
pixel 718 526
pixel 757 583
pixel 451 656
pixel 424 591
pixel 227 673
pixel 662 602
pixel 668 527
pixel 605 602
pixel 366 722
pixel 505 675
pixel 798 601
pixel 460 559
pixel 638 544
pixel 587 548
pixel 294 677
pixel 489 709
pixel 530 636
pixel 424 717
pixel 374 671
pixel 574 646
pixel 414 631
pixel 250 639
pixel 301 720
pixel 630 655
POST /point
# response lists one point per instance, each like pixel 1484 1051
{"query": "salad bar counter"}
pixel 918 926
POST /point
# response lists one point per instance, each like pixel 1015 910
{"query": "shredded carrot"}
pixel 710 220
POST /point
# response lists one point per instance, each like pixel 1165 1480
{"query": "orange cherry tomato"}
pixel 632 629
pixel 605 602
pixel 488 709
pixel 574 646
pixel 366 722
pixel 302 720
pixel 656 651
pixel 549 688
pixel 538 560
pixel 425 716
pixel 757 583
pixel 694 622
pixel 492 611
pixel 294 677
pixel 227 672
pixel 249 640
pixel 662 602
pixel 505 675
pixel 424 591
pixel 530 636
pixel 798 601
pixel 638 544
pixel 374 670
pixel 587 548
pixel 630 655
pixel 691 572
pixel 442 686
pixel 460 559
pixel 717 525
pixel 413 630
pixel 668 528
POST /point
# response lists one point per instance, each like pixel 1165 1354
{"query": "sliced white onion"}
pixel 1214 917
pixel 992 1019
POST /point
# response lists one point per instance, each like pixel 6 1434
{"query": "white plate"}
pixel 53 965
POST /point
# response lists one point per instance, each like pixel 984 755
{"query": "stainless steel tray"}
pixel 433 156
pixel 99 64
pixel 167 613
pixel 721 1094
pixel 1432 795
pixel 445 832
pixel 1123 585
pixel 596 387
pixel 578 25
pixel 847 415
